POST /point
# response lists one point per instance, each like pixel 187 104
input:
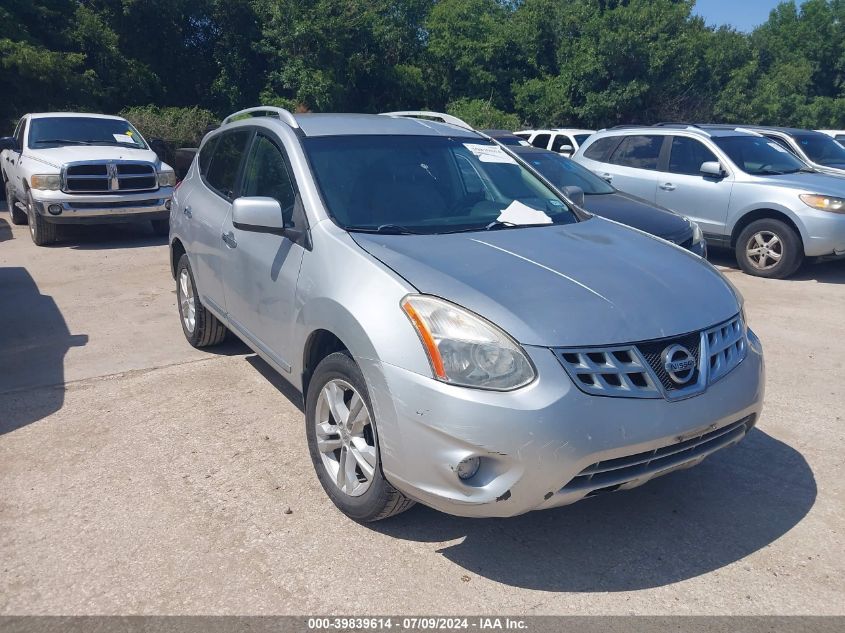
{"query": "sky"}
pixel 743 15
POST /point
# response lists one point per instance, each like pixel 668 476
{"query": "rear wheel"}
pixel 343 442
pixel 201 327
pixel 769 248
pixel 41 231
pixel 18 216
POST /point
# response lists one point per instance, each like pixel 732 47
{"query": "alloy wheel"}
pixel 764 250
pixel 187 302
pixel 345 437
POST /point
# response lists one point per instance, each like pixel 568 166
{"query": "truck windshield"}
pixel 428 184
pixel 80 130
pixel 759 156
pixel 821 149
pixel 562 172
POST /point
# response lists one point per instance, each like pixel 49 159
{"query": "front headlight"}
pixel 823 203
pixel 697 233
pixel 167 178
pixel 465 349
pixel 51 182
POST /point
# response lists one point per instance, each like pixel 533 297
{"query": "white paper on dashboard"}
pixel 518 213
pixel 123 138
pixel 490 153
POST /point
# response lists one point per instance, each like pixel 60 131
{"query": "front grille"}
pixel 613 473
pixel 638 370
pixel 117 205
pixel 109 177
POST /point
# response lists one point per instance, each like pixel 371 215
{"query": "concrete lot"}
pixel 138 475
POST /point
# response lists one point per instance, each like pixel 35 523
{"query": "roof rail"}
pixel 437 116
pixel 281 113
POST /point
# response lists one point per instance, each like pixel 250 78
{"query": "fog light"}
pixel 167 204
pixel 468 467
pixel 55 209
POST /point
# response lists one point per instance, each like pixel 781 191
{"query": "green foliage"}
pixel 481 114
pixel 493 62
pixel 180 127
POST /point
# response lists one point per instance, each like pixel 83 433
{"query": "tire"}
pixel 18 216
pixel 367 496
pixel 42 232
pixel 783 251
pixel 161 227
pixel 202 328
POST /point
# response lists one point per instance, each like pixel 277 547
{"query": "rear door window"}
pixel 541 140
pixel 223 171
pixel 687 155
pixel 638 151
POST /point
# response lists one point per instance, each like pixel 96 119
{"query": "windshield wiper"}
pixel 384 229
pixel 66 141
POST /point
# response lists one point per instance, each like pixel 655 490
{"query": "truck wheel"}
pixel 18 216
pixel 201 327
pixel 161 227
pixel 769 248
pixel 343 442
pixel 41 231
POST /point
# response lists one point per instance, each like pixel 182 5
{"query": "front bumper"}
pixel 823 233
pixel 96 209
pixel 541 446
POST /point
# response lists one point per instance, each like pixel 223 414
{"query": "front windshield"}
pixel 562 172
pixel 81 130
pixel 821 149
pixel 759 156
pixel 428 184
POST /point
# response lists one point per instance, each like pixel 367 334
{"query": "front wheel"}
pixel 41 231
pixel 769 248
pixel 343 442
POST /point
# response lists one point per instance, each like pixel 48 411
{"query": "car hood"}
pixel 58 156
pixel 589 283
pixel 813 182
pixel 640 214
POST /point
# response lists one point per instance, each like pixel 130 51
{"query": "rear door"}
pixel 633 165
pixel 261 269
pixel 682 187
pixel 208 207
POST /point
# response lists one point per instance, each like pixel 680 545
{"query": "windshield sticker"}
pixel 123 138
pixel 518 213
pixel 777 147
pixel 490 153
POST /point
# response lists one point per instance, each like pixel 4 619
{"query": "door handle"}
pixel 229 239
pixel 667 186
pixel 186 211
pixel 607 177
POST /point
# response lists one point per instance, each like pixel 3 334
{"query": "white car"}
pixel 565 141
pixel 838 135
pixel 69 168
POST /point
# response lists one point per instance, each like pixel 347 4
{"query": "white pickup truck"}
pixel 63 168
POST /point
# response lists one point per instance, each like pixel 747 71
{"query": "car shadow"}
pixel 34 339
pixel 108 236
pixel 275 379
pixel 673 528
pixel 826 272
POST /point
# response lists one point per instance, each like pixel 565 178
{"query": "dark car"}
pixel 602 199
pixel 506 138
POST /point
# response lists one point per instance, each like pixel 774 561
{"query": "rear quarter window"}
pixel 600 149
pixel 206 153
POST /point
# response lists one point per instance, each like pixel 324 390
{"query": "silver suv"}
pixel 745 191
pixel 462 335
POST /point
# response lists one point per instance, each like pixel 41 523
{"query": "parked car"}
pixel 69 168
pixel 818 150
pixel 564 141
pixel 744 190
pixel 837 135
pixel 597 196
pixel 462 335
pixel 506 138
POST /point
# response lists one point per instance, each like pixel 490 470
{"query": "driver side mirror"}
pixel 565 149
pixel 575 194
pixel 258 214
pixel 9 142
pixel 712 168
